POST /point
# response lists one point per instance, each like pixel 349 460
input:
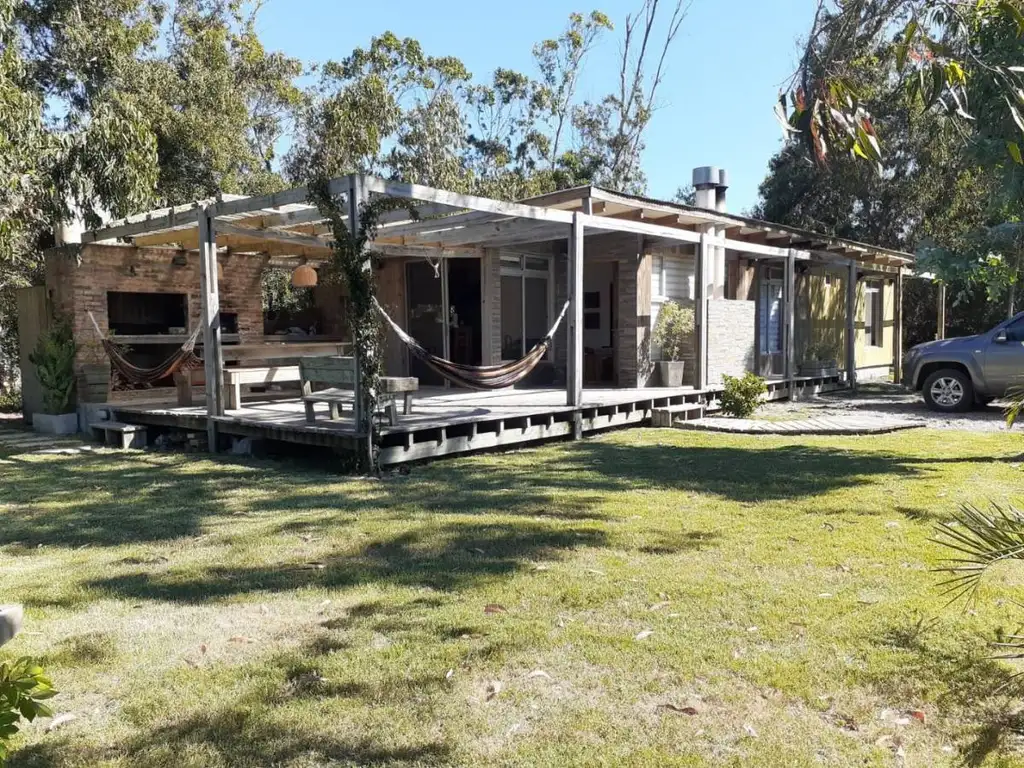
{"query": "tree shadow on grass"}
pixel 447 558
pixel 967 678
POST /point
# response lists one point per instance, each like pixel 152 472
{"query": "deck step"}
pixel 119 434
pixel 667 415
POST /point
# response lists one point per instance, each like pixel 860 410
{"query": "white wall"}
pixel 678 275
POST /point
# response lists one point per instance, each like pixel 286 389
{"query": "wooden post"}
pixel 213 354
pixel 941 329
pixel 789 323
pixel 354 199
pixel 851 327
pixel 701 267
pixel 574 391
pixel 897 339
pixel 757 317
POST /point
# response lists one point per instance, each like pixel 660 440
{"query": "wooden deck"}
pixel 443 421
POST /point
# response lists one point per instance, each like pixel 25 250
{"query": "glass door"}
pixel 426 316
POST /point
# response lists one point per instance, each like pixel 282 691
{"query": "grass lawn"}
pixel 653 597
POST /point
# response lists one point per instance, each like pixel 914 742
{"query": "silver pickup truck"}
pixel 956 374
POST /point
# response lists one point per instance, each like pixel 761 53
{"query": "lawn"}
pixel 653 597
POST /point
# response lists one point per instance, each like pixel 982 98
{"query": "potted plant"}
pixel 673 333
pixel 54 359
pixel 820 360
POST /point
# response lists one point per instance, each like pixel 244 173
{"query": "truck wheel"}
pixel 949 391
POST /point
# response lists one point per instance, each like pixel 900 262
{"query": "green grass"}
pixel 199 612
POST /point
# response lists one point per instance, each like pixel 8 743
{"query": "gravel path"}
pixel 889 400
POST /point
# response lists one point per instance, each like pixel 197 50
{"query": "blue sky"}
pixel 724 71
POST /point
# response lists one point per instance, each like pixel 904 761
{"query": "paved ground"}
pixel 16 439
pixel 840 424
pixel 885 401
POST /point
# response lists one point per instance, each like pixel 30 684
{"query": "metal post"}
pixel 851 327
pixel 213 354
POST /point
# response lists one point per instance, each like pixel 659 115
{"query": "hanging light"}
pixel 304 277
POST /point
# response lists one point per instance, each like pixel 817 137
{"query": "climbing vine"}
pixel 354 263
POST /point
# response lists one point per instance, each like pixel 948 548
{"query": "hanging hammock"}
pixel 183 359
pixel 481 377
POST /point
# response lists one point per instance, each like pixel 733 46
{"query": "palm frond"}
pixel 1016 406
pixel 983 539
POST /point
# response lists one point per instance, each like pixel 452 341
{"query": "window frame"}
pixel 874 310
pixel 520 270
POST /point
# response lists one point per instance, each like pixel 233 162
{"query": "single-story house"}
pixel 479 282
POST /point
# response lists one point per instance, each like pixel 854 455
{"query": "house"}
pixel 480 281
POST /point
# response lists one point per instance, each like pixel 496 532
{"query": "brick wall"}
pixel 731 338
pixel 78 279
pixel 490 288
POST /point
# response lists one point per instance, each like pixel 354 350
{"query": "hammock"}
pixel 183 359
pixel 479 377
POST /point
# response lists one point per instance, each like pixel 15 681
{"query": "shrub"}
pixel 822 352
pixel 10 400
pixel 672 331
pixel 54 359
pixel 742 396
pixel 23 688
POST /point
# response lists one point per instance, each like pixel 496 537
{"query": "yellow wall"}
pixel 821 317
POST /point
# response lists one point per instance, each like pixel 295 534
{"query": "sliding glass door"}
pixel 526 298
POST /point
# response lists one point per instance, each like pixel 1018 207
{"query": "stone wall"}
pixel 732 338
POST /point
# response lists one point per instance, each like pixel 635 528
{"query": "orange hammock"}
pixel 481 377
pixel 183 359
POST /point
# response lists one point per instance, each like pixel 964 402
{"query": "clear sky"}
pixel 724 71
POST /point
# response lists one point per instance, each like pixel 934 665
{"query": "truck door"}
pixel 1004 359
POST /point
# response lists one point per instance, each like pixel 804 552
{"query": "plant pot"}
pixel 55 424
pixel 819 369
pixel 10 622
pixel 671 372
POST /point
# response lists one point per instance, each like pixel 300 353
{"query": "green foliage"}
pixel 821 352
pixel 1015 407
pixel 54 359
pixel 23 689
pixel 941 58
pixel 10 400
pixel 673 330
pixel 742 395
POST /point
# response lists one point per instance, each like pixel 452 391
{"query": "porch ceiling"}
pixel 440 223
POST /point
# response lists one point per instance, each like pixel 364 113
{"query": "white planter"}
pixel 55 424
pixel 671 372
pixel 10 622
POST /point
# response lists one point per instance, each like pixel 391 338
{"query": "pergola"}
pixel 439 223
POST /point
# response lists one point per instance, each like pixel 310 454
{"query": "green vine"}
pixel 355 263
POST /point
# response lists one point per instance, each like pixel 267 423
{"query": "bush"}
pixel 742 396
pixel 54 359
pixel 10 401
pixel 822 352
pixel 673 330
pixel 23 688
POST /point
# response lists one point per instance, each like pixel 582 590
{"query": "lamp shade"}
pixel 304 277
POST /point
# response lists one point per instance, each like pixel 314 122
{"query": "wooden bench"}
pixel 340 376
pixel 284 355
pixel 234 378
pixel 118 434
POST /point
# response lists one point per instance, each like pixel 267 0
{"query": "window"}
pixel 771 314
pixel 873 312
pixel 658 286
pixel 525 303
pixel 1015 331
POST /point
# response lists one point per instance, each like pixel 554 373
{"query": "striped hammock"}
pixel 183 359
pixel 479 377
